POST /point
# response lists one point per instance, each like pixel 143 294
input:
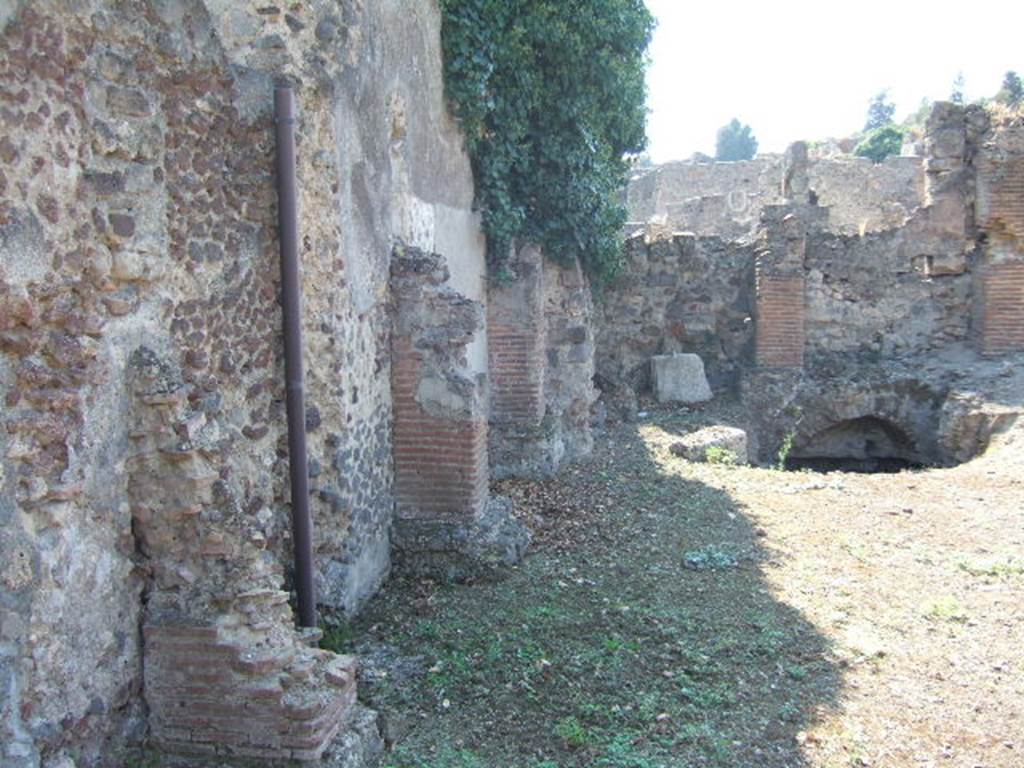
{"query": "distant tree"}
pixel 957 96
pixel 880 111
pixel 735 142
pixel 881 143
pixel 1012 92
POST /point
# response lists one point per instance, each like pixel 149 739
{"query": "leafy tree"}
pixel 880 111
pixel 881 143
pixel 551 98
pixel 957 96
pixel 1012 92
pixel 735 142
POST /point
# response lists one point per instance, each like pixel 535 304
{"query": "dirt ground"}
pixel 678 614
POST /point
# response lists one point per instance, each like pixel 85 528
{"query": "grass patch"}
pixel 716 454
pixel 712 557
pixel 607 647
pixel 338 638
pixel 572 732
pixel 993 568
pixel 945 608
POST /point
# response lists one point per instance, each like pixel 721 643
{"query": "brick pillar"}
pixel 445 523
pixel 515 343
pixel 1002 308
pixel 780 320
pixel 1000 207
pixel 440 463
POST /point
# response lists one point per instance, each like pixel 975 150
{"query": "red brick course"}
pixel 516 366
pixel 1002 311
pixel 440 464
pixel 1006 196
pixel 780 321
pixel 208 696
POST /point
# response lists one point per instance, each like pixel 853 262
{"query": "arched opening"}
pixel 865 444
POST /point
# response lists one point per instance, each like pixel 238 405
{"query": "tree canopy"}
pixel 1012 92
pixel 957 95
pixel 880 111
pixel 735 141
pixel 551 98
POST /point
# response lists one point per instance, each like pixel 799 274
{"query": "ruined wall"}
pixel 815 312
pixel 137 223
pixel 541 346
pixel 727 199
pixel 866 297
pixel 569 357
pixel 863 196
pixel 707 198
pixel 679 294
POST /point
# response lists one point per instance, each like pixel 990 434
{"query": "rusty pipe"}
pixel 291 301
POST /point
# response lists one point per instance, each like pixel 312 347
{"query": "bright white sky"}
pixel 796 69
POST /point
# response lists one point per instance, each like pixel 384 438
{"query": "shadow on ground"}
pixel 641 632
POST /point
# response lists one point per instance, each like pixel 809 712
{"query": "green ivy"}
pixel 550 95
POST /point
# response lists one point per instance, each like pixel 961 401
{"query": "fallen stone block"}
pixel 718 444
pixel 680 378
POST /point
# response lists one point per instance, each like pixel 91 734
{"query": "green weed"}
pixel 572 732
pixel 716 454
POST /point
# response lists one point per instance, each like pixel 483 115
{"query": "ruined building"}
pixel 845 302
pixel 145 550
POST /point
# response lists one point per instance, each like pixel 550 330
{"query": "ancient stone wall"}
pixel 679 294
pixel 707 198
pixel 863 196
pixel 815 312
pixel 138 235
pixel 569 357
pixel 727 199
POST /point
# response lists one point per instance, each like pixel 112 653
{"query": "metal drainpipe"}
pixel 302 525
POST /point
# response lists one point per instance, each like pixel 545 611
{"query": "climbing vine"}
pixel 550 95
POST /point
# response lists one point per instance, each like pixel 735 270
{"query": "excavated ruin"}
pixel 863 316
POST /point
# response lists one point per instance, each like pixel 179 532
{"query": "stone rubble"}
pixel 725 444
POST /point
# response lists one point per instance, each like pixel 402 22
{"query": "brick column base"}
pixel 209 695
